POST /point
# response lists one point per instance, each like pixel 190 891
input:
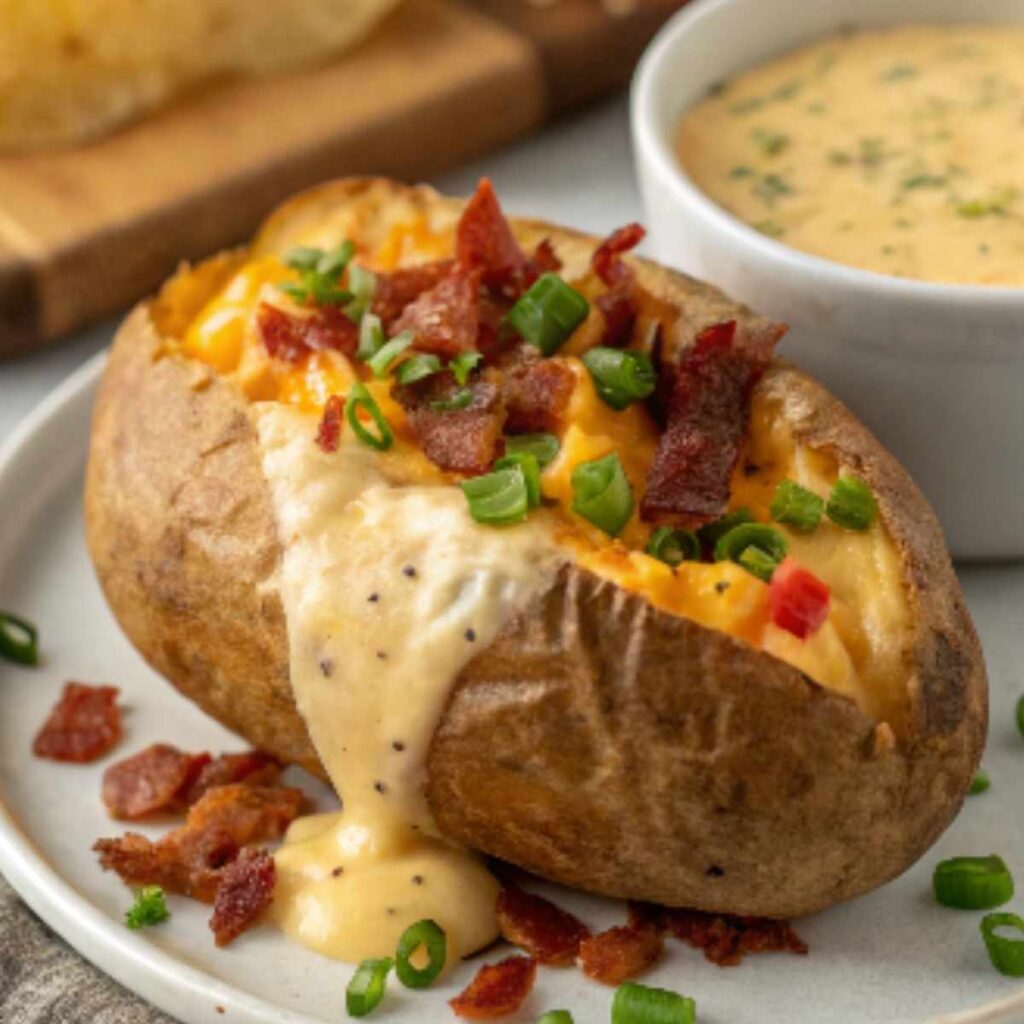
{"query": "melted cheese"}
pixel 895 151
pixel 389 588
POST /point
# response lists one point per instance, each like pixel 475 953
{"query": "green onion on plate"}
pixel 972 883
pixel 431 937
pixel 367 987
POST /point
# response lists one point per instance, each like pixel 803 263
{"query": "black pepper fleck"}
pixel 417 879
pixel 410 571
pixel 750 469
pixel 382 655
pixel 471 635
pixel 722 586
pixel 373 598
pixel 337 872
pixel 715 871
pixel 391 911
pixel 327 667
pixel 380 787
pixel 398 745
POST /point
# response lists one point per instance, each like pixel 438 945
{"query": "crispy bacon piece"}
pixel 150 781
pixel 328 433
pixel 619 305
pixel 616 955
pixel 463 440
pixel 549 934
pixel 445 319
pixel 484 241
pixel 536 394
pixel 246 889
pixel 544 260
pixel 497 990
pixel 707 409
pixel 394 291
pixel 84 725
pixel 190 860
pixel 726 939
pixel 291 336
pixel 607 262
pixel 248 768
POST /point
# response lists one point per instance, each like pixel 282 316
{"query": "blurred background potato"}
pixel 71 70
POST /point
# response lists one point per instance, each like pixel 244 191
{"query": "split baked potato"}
pixel 640 730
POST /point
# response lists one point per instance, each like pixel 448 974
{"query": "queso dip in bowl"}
pixel 856 169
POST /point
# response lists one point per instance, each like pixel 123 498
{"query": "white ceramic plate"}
pixel 892 957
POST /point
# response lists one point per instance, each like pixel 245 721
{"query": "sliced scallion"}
pixel 461 399
pixel 360 398
pixel 417 368
pixel 851 504
pixel 543 447
pixel 555 1017
pixel 756 547
pixel 499 498
pixel 527 462
pixel 621 376
pixel 1006 954
pixel 796 506
pixel 641 1004
pixel 380 362
pixel 602 494
pixel 19 640
pixel 362 283
pixel 431 937
pixel 548 313
pixel 979 783
pixel 367 987
pixel 463 365
pixel 371 337
pixel 710 533
pixel 672 545
pixel 972 883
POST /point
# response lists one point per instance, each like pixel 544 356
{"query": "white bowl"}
pixel 936 370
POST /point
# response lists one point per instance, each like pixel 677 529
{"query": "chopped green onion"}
pixel 371 337
pixel 548 313
pixel 543 447
pixel 756 547
pixel 979 783
pixel 972 883
pixel 463 365
pixel 360 398
pixel 417 368
pixel 641 1004
pixel 672 546
pixel 556 1017
pixel 602 494
pixel 319 274
pixel 366 989
pixel 430 935
pixel 19 640
pixel 527 462
pixel 710 533
pixel 149 907
pixel 362 283
pixel 461 399
pixel 1020 716
pixel 1006 954
pixel 796 506
pixel 380 362
pixel 621 376
pixel 499 498
pixel 851 504
pixel 333 262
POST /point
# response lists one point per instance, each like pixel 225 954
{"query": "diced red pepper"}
pixel 799 600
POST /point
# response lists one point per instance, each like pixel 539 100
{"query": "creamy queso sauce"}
pixel 388 589
pixel 897 151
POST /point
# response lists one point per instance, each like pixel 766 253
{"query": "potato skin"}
pixel 598 742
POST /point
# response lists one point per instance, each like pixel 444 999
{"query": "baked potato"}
pixel 640 719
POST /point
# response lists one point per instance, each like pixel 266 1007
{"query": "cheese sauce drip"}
pixel 895 151
pixel 389 589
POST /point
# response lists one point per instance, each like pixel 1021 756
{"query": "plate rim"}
pixel 162 979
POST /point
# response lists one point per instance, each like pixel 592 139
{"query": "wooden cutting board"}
pixel 85 232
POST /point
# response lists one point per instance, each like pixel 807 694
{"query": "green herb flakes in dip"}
pixel 899 151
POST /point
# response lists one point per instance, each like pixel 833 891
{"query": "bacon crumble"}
pixel 725 939
pixel 619 305
pixel 537 394
pixel 190 860
pixel 291 337
pixel 395 290
pixel 328 433
pixel 497 990
pixel 445 320
pixel 549 934
pixel 245 890
pixel 484 241
pixel 708 396
pixel 618 954
pixel 150 781
pixel 82 726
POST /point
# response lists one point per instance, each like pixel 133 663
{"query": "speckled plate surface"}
pixel 892 957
